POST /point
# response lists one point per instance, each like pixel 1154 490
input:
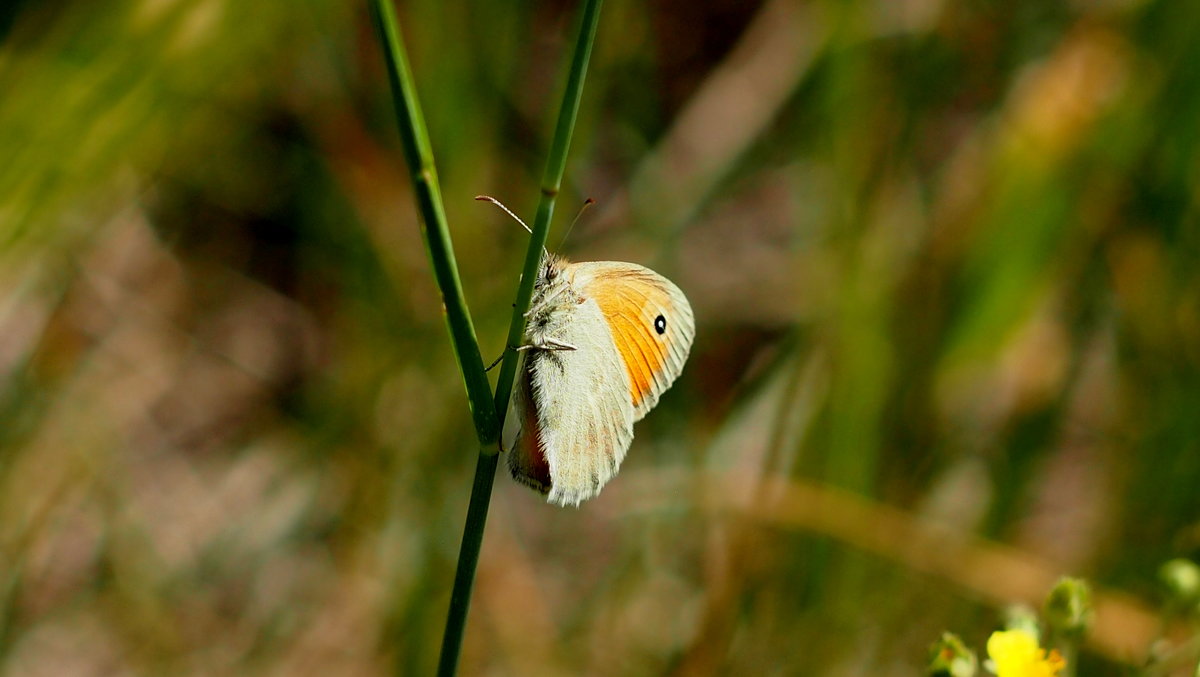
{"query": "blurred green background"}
pixel 943 262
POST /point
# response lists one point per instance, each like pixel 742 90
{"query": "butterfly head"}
pixel 549 270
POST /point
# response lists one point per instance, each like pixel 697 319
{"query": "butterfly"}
pixel 603 341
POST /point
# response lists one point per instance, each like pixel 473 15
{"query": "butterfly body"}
pixel 603 341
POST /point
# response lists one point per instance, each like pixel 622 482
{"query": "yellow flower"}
pixel 1015 653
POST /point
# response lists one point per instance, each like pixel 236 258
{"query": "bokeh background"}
pixel 943 262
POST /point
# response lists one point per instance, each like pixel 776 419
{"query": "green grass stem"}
pixel 489 412
pixel 418 155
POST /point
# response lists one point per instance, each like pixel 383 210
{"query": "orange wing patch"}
pixel 627 309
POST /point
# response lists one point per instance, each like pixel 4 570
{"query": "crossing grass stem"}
pixel 487 408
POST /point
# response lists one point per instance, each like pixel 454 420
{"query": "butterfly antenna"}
pixel 489 198
pixel 586 203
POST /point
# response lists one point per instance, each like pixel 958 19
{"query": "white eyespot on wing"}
pixel 584 415
pixel 650 319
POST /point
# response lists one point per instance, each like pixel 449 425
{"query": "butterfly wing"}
pixel 573 410
pixel 522 435
pixel 650 321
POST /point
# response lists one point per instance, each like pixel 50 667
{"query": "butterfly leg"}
pixel 518 349
pixel 547 344
pixel 544 302
pixel 494 363
pixel 555 344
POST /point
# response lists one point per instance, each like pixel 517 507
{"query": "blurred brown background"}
pixel 942 256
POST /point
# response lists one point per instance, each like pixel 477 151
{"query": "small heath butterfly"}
pixel 603 341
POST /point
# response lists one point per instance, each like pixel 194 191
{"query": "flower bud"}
pixel 1068 608
pixel 1182 578
pixel 949 657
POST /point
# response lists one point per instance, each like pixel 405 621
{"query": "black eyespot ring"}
pixel 660 324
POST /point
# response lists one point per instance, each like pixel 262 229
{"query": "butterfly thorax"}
pixel 553 303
